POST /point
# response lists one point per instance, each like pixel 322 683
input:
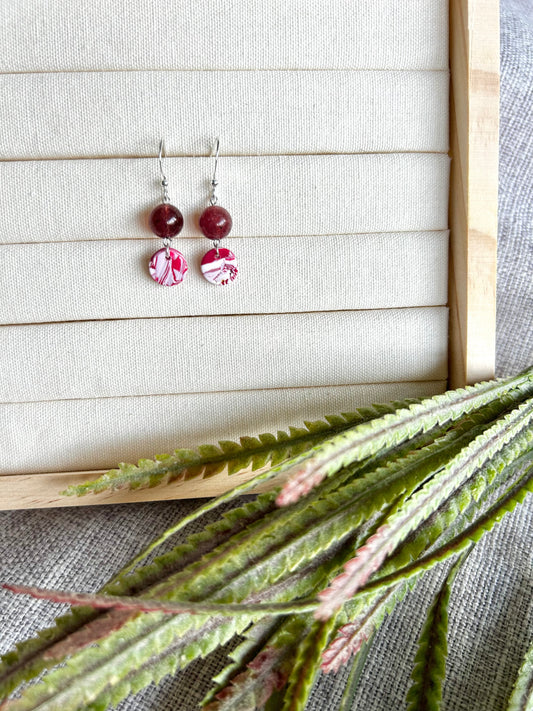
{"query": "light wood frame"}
pixel 474 123
pixel 474 61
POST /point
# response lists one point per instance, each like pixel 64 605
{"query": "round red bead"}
pixel 166 220
pixel 215 222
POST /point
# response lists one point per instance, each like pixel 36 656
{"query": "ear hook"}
pixel 161 151
pixel 164 181
pixel 215 150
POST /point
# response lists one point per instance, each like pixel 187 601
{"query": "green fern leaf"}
pixel 522 694
pixel 367 439
pixel 425 693
pixel 255 639
pixel 471 534
pixel 306 665
pixel 267 556
pixel 51 645
pixel 420 506
pixel 150 604
pixel 233 456
pixel 354 677
pixel 148 647
pixel 265 674
pixel 368 609
pixel 365 617
pixel 455 514
pixel 287 540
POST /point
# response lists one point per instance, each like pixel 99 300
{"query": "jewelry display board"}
pixel 334 130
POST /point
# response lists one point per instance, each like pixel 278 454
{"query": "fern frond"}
pixel 425 693
pixel 28 661
pixel 239 518
pixel 522 695
pixel 314 526
pixel 266 673
pixel 253 687
pixel 370 557
pixel 365 617
pixel 306 665
pixel 471 534
pixel 464 505
pixel 358 471
pixel 378 597
pixel 253 453
pixel 440 459
pixel 365 440
pixel 150 646
pixel 354 677
pixel 84 626
pixel 143 604
pixel 256 638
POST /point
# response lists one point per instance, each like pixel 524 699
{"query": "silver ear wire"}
pixel 215 150
pixel 164 181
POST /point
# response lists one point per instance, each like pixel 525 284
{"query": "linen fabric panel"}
pixel 94 114
pixel 214 34
pixel 94 280
pixel 69 200
pixel 90 359
pixel 334 136
pixel 104 431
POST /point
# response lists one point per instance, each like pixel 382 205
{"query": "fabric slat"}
pixel 79 281
pixel 72 435
pixel 219 353
pixel 67 200
pixel 272 34
pixel 260 112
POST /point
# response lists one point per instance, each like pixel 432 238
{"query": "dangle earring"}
pixel 167 266
pixel 219 265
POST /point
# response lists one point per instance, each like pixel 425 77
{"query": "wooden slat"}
pixel 474 58
pixel 35 491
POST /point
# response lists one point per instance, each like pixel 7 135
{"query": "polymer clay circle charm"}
pixel 219 269
pixel 167 272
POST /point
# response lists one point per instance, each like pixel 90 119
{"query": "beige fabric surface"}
pixel 90 359
pixel 102 432
pixel 68 200
pixel 108 280
pixel 222 34
pixel 333 165
pixel 260 112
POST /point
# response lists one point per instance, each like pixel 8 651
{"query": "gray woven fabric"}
pixel 515 248
pixel 491 614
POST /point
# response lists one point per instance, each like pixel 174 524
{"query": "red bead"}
pixel 215 222
pixel 166 220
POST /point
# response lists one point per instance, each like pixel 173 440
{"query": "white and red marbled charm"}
pixel 170 270
pixel 219 268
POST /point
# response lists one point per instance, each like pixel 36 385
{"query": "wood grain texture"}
pixel 35 491
pixel 474 121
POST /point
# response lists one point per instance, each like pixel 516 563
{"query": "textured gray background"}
pixel 491 614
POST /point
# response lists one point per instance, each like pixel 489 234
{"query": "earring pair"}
pixel 168 266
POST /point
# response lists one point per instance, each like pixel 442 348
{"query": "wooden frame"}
pixel 474 60
pixel 474 122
